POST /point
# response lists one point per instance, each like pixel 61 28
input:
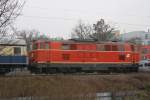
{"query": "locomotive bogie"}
pixel 78 68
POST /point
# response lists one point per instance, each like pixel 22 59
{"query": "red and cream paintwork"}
pixel 85 53
pixel 70 52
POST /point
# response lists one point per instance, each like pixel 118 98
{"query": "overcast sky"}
pixel 58 17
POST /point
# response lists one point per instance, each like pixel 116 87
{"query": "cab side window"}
pixel 132 48
pixel 35 46
pixel 100 47
pixel 121 48
pixel 42 46
pixel 47 46
pixel 107 47
pixel 66 46
pixel 114 48
pixel 144 50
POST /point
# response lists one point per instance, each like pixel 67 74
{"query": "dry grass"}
pixel 71 86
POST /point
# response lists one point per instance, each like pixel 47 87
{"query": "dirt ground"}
pixel 74 84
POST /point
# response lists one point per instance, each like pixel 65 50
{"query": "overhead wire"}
pixel 75 19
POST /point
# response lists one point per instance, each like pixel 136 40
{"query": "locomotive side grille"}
pixel 122 57
pixel 66 56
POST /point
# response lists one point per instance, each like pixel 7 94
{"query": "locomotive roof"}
pixel 92 42
pixel 83 42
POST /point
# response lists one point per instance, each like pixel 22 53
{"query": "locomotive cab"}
pixel 39 48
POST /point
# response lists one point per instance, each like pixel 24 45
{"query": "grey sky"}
pixel 58 17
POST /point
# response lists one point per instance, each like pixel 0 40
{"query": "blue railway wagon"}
pixel 13 55
pixel 13 60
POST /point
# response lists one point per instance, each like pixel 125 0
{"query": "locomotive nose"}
pixel 32 57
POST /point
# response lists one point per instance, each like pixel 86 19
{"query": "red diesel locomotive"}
pixel 77 56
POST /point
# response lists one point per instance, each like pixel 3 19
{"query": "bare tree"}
pixel 99 32
pixel 9 11
pixel 102 31
pixel 82 31
pixel 27 36
pixel 3 32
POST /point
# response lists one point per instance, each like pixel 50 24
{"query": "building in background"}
pixel 116 32
pixel 138 36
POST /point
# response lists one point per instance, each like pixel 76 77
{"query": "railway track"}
pixel 24 74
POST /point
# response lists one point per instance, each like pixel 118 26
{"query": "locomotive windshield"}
pixel 35 46
pixel 110 47
pixel 144 51
pixel 65 46
pixel 47 46
pixel 41 45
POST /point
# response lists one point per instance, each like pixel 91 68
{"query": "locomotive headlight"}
pixel 128 55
